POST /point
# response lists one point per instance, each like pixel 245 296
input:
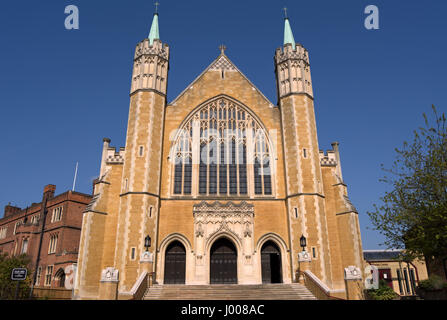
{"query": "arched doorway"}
pixel 60 278
pixel 223 262
pixel 271 263
pixel 175 264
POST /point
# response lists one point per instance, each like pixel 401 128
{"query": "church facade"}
pixel 219 186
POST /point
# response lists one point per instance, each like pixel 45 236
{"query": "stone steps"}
pixel 294 291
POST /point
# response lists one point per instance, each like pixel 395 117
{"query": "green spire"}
pixel 154 33
pixel 288 35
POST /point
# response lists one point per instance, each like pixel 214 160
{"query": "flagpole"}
pixel 76 173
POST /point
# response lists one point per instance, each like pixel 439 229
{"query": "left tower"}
pixel 125 208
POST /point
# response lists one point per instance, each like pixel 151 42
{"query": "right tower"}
pixel 316 196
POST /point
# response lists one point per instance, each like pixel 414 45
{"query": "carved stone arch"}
pixel 210 100
pixel 164 245
pixel 59 278
pixel 224 234
pixel 284 253
pixel 273 237
pixel 173 237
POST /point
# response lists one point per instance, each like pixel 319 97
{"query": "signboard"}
pixel 19 274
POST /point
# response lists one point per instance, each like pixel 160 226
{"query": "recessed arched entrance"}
pixel 175 264
pixel 223 262
pixel 271 263
pixel 60 278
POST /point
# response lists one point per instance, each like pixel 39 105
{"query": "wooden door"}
pixel 223 262
pixel 175 264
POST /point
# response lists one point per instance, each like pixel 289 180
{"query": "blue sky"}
pixel 62 91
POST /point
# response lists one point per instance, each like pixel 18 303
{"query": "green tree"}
pixel 8 286
pixel 413 214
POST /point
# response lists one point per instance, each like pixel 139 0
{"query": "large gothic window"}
pixel 224 151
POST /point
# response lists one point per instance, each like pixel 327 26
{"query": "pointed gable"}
pixel 222 64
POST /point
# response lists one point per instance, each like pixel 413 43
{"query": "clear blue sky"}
pixel 62 91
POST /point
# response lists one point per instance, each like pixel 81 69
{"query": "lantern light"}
pixel 303 242
pixel 147 242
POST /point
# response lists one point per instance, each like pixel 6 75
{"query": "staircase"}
pixel 294 291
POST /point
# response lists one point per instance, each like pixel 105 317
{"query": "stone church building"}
pixel 219 186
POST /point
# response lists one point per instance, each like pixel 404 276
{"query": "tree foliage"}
pixel 413 215
pixel 8 286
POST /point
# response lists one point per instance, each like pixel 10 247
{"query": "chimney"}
pixel 10 210
pixel 48 191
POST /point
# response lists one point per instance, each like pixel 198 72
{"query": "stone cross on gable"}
pixel 222 48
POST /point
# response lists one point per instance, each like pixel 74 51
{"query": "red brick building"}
pixel 48 232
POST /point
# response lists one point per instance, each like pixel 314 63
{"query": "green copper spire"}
pixel 154 33
pixel 288 35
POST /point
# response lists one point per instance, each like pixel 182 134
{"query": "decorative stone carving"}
pixel 234 219
pixel 147 257
pixel 353 273
pixel 216 217
pixel 247 232
pixel 304 256
pixel 199 231
pixel 222 64
pixel 109 274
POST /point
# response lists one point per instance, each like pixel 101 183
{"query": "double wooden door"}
pixel 223 263
pixel 175 264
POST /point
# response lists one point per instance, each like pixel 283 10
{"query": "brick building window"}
pixel 53 243
pixel 15 227
pixel 57 214
pixel 24 246
pixel 38 275
pixel 3 231
pixel 48 275
pixel 35 219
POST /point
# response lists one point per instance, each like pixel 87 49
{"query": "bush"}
pixel 433 283
pixel 384 292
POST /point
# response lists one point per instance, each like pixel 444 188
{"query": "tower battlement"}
pixel 293 70
pixel 151 65
pixel 328 158
pixel 288 52
pixel 158 48
pixel 115 156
